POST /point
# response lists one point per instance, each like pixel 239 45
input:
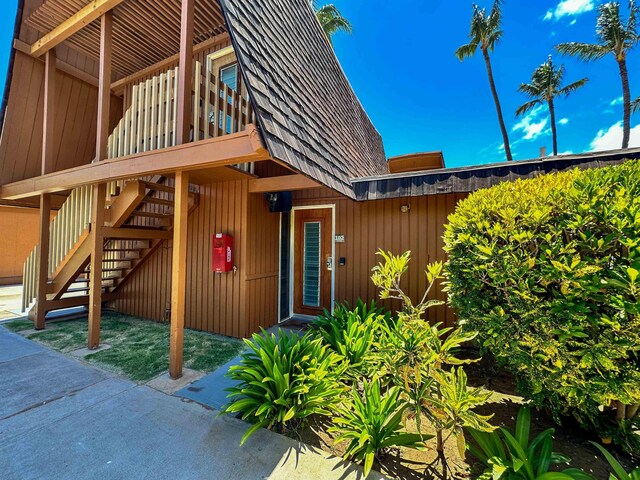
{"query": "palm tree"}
pixel 485 34
pixel 545 86
pixel 332 21
pixel 614 37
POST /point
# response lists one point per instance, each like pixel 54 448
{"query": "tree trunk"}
pixel 554 133
pixel 505 136
pixel 626 103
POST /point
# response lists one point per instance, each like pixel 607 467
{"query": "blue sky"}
pixel 400 61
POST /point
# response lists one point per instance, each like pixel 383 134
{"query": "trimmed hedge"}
pixel 547 271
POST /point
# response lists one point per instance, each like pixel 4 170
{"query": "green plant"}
pixel 546 271
pixel 372 422
pixel 351 333
pixel 510 456
pixel 619 472
pixel 415 355
pixel 283 379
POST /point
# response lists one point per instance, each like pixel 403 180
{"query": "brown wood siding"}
pixel 76 115
pixel 369 226
pixel 19 227
pixel 233 304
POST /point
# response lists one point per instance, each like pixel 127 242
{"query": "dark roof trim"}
pixel 12 58
pixel 470 179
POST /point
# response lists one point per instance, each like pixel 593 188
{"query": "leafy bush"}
pixel 283 379
pixel 415 355
pixel 372 422
pixel 351 333
pixel 511 456
pixel 546 270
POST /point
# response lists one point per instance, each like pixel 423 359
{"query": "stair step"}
pixel 140 213
pixel 158 186
pixel 130 249
pixel 159 201
pixel 82 289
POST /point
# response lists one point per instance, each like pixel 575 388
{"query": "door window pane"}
pixel 311 265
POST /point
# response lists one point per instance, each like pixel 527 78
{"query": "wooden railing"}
pixel 150 122
pixel 65 230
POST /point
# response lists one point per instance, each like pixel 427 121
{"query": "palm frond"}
pixel 466 51
pixel 572 87
pixel 524 108
pixel 585 51
pixel 332 20
pixel 531 90
pixel 635 105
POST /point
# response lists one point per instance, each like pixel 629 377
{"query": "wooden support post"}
pixel 49 117
pixel 185 72
pixel 104 85
pixel 178 273
pixel 43 262
pixel 95 275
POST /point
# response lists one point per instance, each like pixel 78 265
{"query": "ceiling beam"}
pixel 242 147
pixel 285 183
pixel 73 24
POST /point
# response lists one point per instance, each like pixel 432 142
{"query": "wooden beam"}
pixel 49 117
pixel 43 262
pixel 239 147
pixel 125 203
pixel 104 85
pixel 78 301
pixel 73 24
pixel 119 85
pixel 135 233
pixel 97 254
pixel 63 67
pixel 178 273
pixel 185 73
pixel 284 183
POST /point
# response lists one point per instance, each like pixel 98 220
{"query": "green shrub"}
pixel 351 333
pixel 546 270
pixel 283 379
pixel 415 356
pixel 511 456
pixel 372 422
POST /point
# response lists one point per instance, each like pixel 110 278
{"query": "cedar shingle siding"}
pixel 309 116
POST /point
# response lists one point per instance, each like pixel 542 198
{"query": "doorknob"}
pixel 329 263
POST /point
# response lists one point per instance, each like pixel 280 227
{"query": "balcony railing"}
pixel 150 123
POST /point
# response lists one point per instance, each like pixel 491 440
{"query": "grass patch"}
pixel 140 348
pixel 18 325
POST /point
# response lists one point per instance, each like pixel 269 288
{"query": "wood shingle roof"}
pixel 308 113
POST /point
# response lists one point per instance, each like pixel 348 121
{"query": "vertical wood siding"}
pixel 233 304
pixel 373 225
pixel 76 115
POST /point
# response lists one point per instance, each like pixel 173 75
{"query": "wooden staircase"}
pixel 140 214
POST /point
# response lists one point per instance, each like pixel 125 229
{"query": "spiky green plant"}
pixel 372 422
pixel 331 20
pixel 282 380
pixel 511 456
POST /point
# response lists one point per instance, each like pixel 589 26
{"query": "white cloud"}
pixel 569 8
pixel 616 101
pixel 611 138
pixel 531 125
pixel 563 121
pixel 566 152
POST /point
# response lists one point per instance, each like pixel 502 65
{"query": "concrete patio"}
pixel 60 418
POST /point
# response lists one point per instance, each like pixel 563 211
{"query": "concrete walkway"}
pixel 62 419
pixel 10 301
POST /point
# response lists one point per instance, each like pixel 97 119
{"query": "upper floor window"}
pixel 229 76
